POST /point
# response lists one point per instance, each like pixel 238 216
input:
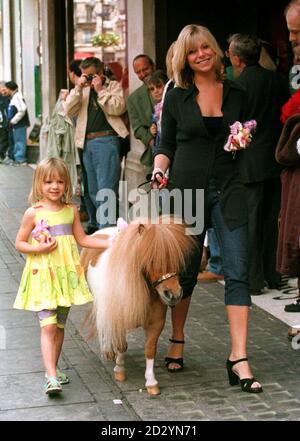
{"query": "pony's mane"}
pixel 141 251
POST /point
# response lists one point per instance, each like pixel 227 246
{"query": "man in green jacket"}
pixel 139 103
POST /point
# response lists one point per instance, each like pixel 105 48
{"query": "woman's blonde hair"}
pixel 187 40
pixel 169 58
pixel 46 169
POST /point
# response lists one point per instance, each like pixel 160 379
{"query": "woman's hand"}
pixel 159 180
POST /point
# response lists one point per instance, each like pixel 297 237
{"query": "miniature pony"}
pixel 133 282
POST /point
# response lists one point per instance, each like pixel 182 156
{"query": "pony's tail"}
pixel 111 334
pixel 89 324
pixel 99 319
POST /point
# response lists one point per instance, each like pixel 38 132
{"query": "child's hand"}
pixel 153 129
pixel 46 245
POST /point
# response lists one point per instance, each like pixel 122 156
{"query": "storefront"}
pixel 40 37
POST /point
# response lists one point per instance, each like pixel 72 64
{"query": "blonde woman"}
pixel 195 127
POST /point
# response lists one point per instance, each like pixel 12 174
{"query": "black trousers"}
pixel 263 200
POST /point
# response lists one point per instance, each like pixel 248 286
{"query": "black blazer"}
pixel 196 156
pixel 266 92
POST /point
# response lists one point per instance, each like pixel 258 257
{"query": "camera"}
pixel 89 78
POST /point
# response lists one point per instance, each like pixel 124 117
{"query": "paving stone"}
pixel 95 385
pixel 227 410
pixel 67 412
pixel 195 415
pixel 12 394
pixel 258 407
pixel 280 395
pixel 5 274
pixel 289 402
pixel 17 319
pixel 235 418
pixel 216 402
pixel 179 396
pixel 22 338
pixel 9 286
pixel 265 415
pixel 6 300
pixel 19 362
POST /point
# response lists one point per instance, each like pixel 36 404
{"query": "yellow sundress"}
pixel 56 278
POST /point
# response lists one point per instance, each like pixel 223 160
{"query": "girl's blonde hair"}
pixel 46 169
pixel 187 40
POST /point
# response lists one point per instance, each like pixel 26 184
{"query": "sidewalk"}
pixel 201 392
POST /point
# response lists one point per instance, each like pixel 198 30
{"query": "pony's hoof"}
pixel 120 376
pixel 153 390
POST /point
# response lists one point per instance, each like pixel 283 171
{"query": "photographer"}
pixel 98 104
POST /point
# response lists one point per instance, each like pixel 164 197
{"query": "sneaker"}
pixel 293 307
pixel 293 283
pixel 62 377
pixel 7 161
pixel 52 386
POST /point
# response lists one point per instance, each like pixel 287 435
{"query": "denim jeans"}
pixel 214 261
pixel 234 255
pixel 101 158
pixel 19 134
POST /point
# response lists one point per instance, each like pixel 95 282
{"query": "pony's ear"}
pixel 121 224
pixel 141 229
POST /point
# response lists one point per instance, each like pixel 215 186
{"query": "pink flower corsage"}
pixel 240 135
pixel 41 229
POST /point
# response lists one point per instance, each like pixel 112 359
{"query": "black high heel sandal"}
pixel 170 360
pixel 245 383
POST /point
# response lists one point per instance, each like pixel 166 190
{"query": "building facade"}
pixel 38 38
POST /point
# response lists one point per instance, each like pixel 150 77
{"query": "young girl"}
pixel 53 278
pixel 156 83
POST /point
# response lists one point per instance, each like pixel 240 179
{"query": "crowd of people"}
pixel 183 119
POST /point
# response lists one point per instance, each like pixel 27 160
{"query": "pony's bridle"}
pixel 162 279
